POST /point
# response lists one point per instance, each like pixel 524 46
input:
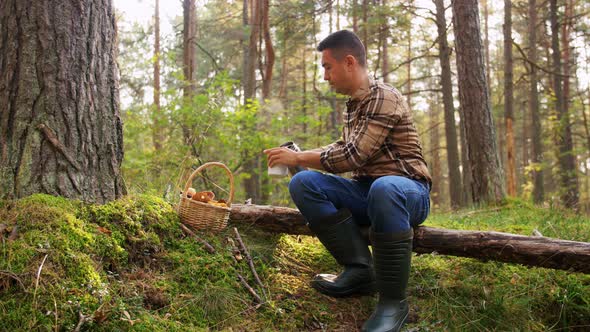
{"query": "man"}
pixel 389 190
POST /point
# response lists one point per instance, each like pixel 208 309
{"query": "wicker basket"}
pixel 199 215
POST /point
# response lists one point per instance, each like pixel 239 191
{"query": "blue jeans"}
pixel 389 203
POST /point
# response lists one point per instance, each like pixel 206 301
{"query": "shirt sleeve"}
pixel 377 120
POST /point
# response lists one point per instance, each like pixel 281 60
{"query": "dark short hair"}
pixel 344 42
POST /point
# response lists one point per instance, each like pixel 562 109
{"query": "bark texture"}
pixel 509 101
pixel 567 159
pixel 527 250
pixel 60 126
pixel 444 56
pixel 537 158
pixel 487 175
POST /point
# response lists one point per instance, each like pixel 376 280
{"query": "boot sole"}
pixel 362 290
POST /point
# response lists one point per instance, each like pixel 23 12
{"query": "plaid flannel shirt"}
pixel 378 137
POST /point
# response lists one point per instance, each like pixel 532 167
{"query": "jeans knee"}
pixel 299 182
pixel 382 188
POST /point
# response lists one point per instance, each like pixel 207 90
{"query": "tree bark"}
pixel 535 251
pixel 487 177
pixel 537 158
pixel 188 60
pixel 251 183
pixel 355 27
pixel 409 57
pixel 435 191
pixel 60 126
pixel 567 162
pixel 467 197
pixel 157 116
pixel 365 25
pixel 509 101
pixel 486 42
pixel 270 53
pixel 444 56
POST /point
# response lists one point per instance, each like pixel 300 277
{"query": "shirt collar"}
pixel 362 91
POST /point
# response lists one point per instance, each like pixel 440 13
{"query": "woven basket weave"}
pixel 199 215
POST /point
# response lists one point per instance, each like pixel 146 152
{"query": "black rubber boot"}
pixel 392 253
pixel 343 239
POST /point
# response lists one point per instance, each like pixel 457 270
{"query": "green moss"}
pixel 128 264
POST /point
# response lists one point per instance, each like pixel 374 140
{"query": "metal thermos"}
pixel 296 169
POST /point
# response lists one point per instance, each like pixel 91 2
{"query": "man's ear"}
pixel 350 61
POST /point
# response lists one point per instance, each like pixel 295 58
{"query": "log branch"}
pixel 504 247
pixel 205 244
pixel 248 258
pixel 249 288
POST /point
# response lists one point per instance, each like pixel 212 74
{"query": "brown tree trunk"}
pixel 527 250
pixel 384 45
pixel 537 158
pixel 251 183
pixel 567 161
pixel 157 116
pixel 355 26
pixel 409 55
pixel 435 192
pixel 486 42
pixel 365 25
pixel 509 101
pixel 487 178
pixel 444 56
pixel 270 53
pixel 60 126
pixel 189 63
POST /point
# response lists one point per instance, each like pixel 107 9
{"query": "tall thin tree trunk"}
pixel 409 56
pixel 384 45
pixel 537 158
pixel 365 25
pixel 435 192
pixel 487 177
pixel 567 163
pixel 355 26
pixel 157 116
pixel 304 91
pixel 60 126
pixel 486 42
pixel 444 55
pixel 189 59
pixel 270 53
pixel 509 101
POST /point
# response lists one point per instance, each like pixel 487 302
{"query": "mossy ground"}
pixel 128 266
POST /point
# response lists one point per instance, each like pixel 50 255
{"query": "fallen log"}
pixel 534 251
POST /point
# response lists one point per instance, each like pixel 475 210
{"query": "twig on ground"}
pixel 37 279
pixel 81 320
pixel 250 289
pixel 206 244
pixel 13 276
pixel 249 259
pixel 13 234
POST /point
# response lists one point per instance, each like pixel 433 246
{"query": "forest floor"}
pixel 127 265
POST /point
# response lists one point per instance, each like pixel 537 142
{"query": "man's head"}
pixel 344 61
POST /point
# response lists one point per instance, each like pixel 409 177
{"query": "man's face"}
pixel 336 72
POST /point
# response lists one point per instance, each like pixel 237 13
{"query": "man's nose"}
pixel 326 77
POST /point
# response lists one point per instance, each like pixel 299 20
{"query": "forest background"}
pixel 246 76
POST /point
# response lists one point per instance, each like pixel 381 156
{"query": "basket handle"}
pixel 209 164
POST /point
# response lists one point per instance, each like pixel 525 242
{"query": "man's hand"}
pixel 281 156
pixel 290 158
